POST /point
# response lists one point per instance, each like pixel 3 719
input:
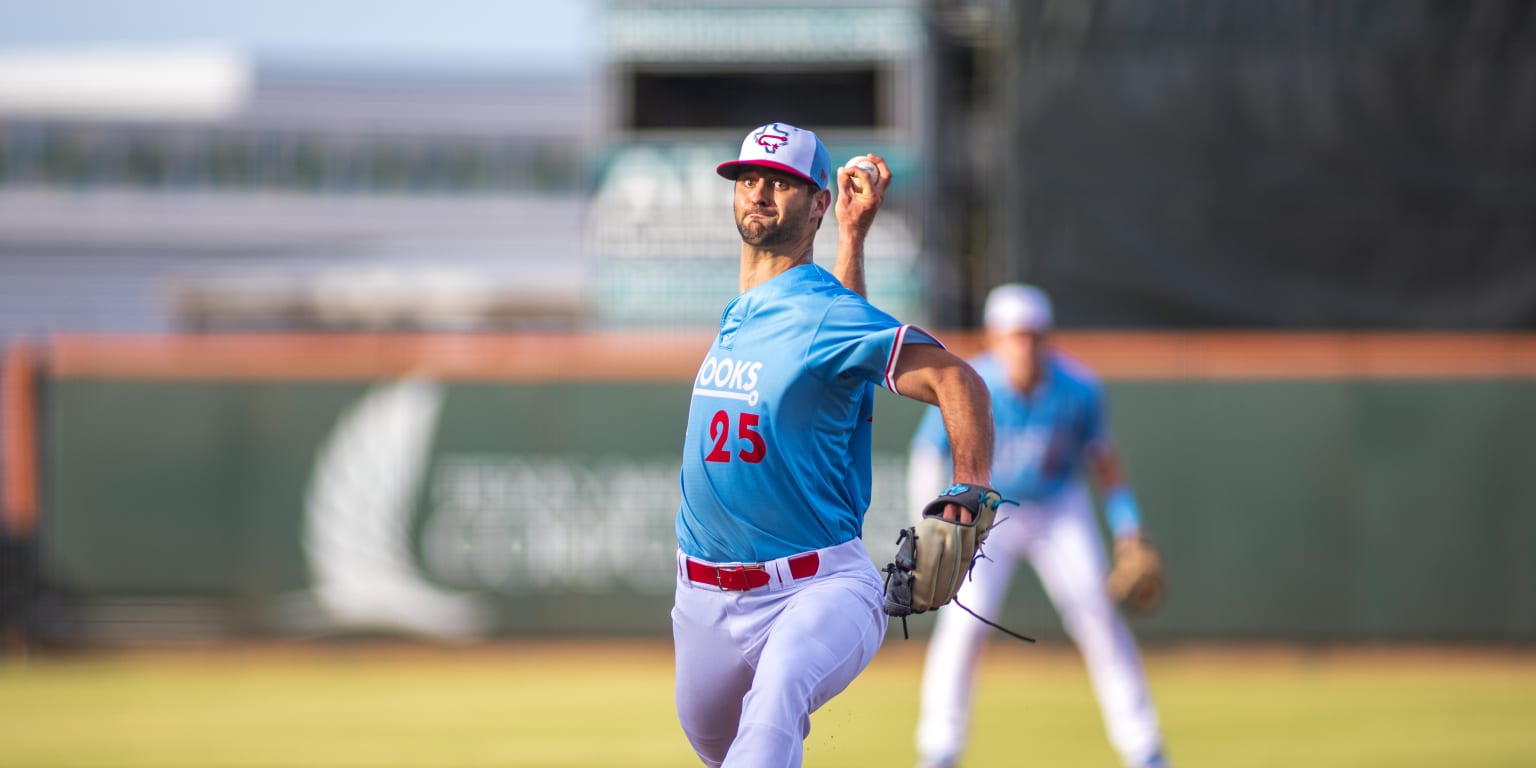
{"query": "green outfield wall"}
pixel 1329 510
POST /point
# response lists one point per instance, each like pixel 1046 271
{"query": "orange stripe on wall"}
pixel 676 356
pixel 18 442
pixel 1306 356
pixel 533 356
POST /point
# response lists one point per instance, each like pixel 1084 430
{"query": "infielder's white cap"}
pixel 1018 307
pixel 783 147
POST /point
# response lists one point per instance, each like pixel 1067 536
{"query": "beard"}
pixel 767 233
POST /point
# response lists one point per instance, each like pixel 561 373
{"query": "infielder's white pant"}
pixel 1063 543
pixel 752 666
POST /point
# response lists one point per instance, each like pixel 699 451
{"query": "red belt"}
pixel 740 578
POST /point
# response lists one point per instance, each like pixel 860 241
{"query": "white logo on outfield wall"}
pixel 495 524
pixel 357 530
pixel 520 524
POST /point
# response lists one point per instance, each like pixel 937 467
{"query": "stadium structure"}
pixel 246 196
pixel 197 189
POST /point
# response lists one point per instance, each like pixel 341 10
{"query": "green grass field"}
pixel 558 705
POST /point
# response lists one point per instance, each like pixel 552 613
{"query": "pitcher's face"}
pixel 775 208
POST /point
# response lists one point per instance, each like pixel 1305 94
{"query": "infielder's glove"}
pixel 934 557
pixel 1137 581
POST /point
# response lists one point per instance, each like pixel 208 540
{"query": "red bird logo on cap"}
pixel 772 141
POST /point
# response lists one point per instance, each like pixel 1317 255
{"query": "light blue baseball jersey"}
pixel 1042 438
pixel 776 459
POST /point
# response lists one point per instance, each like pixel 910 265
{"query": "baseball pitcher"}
pixel 778 606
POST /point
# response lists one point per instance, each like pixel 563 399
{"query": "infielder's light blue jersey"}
pixel 1042 437
pixel 776 460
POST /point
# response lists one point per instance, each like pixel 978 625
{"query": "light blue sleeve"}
pixel 858 340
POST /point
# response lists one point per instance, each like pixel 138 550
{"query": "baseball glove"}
pixel 934 557
pixel 1137 581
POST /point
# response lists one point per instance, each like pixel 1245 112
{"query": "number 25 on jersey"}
pixel 746 433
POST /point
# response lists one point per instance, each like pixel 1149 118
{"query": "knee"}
pixel 709 745
pixel 710 730
pixel 710 751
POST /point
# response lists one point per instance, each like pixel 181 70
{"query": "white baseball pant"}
pixel 753 665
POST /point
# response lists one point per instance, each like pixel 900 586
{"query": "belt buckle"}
pixel 739 569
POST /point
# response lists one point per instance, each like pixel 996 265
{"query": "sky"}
pixel 534 35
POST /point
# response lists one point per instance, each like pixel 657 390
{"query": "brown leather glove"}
pixel 1137 581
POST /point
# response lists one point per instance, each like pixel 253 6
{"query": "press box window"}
pixel 837 98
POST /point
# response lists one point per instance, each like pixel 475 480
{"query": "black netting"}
pixel 1324 165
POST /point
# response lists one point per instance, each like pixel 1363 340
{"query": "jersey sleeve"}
pixel 857 340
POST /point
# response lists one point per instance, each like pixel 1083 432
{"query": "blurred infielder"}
pixel 778 606
pixel 1050 427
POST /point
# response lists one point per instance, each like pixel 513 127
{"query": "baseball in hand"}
pixel 862 163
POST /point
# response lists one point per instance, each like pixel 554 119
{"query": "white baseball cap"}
pixel 1018 307
pixel 783 147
